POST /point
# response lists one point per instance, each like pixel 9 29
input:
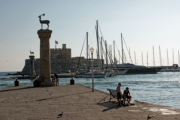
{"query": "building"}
pixel 61 62
pixel 61 53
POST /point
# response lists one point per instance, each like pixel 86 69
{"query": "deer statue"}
pixel 43 21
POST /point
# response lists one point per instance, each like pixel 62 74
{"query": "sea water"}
pixel 162 88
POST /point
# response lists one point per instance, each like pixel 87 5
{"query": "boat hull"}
pixel 142 71
pixel 89 75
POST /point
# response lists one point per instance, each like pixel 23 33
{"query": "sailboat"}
pixel 174 67
pixel 97 71
pixel 115 70
pixel 132 68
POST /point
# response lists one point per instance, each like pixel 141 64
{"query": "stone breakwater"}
pixel 76 102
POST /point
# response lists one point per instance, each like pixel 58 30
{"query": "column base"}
pixel 40 83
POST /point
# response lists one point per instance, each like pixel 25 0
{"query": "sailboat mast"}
pixel 87 51
pixel 142 58
pixel 114 52
pixel 119 56
pixel 178 58
pixel 97 37
pixel 167 58
pixel 173 55
pixel 135 58
pixel 101 48
pixel 110 55
pixel 160 58
pixel 153 57
pixel 147 58
pixel 130 56
pixel 102 53
pixel 122 49
pixel 106 53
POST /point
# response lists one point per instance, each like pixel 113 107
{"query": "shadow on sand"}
pixel 16 88
pixel 62 96
pixel 111 104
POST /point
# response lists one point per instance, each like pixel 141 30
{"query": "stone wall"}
pixel 61 65
pixel 61 62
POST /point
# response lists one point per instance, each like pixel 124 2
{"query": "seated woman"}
pixel 126 95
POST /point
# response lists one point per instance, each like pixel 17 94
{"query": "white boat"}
pixel 97 74
pixel 173 68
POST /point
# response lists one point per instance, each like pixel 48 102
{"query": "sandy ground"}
pixel 75 102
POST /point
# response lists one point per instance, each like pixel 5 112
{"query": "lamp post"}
pixel 92 50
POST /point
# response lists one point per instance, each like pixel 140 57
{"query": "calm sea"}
pixel 161 88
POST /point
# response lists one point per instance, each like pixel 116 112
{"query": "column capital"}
pixel 44 33
pixel 31 56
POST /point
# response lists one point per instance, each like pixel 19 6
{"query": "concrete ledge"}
pixel 77 102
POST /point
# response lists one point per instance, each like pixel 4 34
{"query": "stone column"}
pixel 45 62
pixel 32 70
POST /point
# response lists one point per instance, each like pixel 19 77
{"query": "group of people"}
pixel 122 98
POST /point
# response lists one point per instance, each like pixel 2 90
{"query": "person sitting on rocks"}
pixel 126 95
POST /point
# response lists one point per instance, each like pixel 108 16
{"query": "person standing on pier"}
pixel 56 79
pixel 119 93
pixel 16 82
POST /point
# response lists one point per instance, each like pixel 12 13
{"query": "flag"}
pixel 56 42
pixel 31 52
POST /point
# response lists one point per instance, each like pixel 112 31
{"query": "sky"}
pixel 144 24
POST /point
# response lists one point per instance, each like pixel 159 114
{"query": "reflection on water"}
pixel 161 88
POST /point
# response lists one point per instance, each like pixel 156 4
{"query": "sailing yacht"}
pixel 132 68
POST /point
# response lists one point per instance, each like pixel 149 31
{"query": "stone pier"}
pixel 32 70
pixel 45 62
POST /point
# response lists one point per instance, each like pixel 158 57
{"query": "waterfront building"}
pixel 61 62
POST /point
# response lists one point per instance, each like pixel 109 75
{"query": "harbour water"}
pixel 161 88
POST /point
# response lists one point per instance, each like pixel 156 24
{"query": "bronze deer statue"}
pixel 43 21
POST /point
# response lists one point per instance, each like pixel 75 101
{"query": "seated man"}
pixel 126 95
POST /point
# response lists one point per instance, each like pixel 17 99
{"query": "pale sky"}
pixel 144 23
